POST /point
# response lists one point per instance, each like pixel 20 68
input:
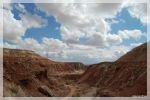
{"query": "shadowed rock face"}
pixel 125 77
pixel 93 73
pixel 31 72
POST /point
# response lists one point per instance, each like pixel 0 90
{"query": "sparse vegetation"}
pixel 13 90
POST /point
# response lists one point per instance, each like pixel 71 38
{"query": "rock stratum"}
pixel 125 77
pixel 28 74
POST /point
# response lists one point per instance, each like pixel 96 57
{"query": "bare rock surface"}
pixel 29 74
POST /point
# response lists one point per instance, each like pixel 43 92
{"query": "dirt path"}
pixel 72 90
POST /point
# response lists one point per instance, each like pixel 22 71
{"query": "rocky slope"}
pixel 125 77
pixel 28 74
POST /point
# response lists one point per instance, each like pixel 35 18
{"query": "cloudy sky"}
pixel 76 32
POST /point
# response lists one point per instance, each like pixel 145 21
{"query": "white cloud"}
pixel 81 20
pixel 71 36
pixel 7 45
pixel 97 40
pixel 59 51
pixel 135 44
pixel 135 34
pixel 29 43
pixel 78 21
pixel 7 6
pixel 14 29
pixel 53 45
pixel 20 8
pixel 88 21
pixel 32 20
pixel 106 10
pixel 114 39
pixel 137 10
pixel 92 55
pixel 108 39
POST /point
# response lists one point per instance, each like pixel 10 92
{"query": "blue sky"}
pixel 55 28
pixel 130 23
pixel 52 29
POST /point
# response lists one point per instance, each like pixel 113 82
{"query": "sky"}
pixel 75 32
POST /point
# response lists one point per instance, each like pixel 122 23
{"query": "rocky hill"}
pixel 125 77
pixel 29 74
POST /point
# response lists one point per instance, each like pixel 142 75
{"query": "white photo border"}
pixel 74 98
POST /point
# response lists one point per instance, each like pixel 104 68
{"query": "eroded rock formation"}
pixel 29 74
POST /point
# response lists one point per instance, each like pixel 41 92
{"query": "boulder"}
pixel 46 91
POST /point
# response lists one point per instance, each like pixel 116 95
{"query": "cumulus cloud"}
pixel 20 8
pixel 7 45
pixel 135 44
pixel 29 43
pixel 59 51
pixel 108 39
pixel 78 21
pixel 71 36
pixel 14 29
pixel 97 40
pixel 81 20
pixel 32 20
pixel 89 21
pixel 52 45
pixel 135 34
pixel 106 10
pixel 114 39
pixel 137 10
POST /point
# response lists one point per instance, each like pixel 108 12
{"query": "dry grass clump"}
pixel 12 90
